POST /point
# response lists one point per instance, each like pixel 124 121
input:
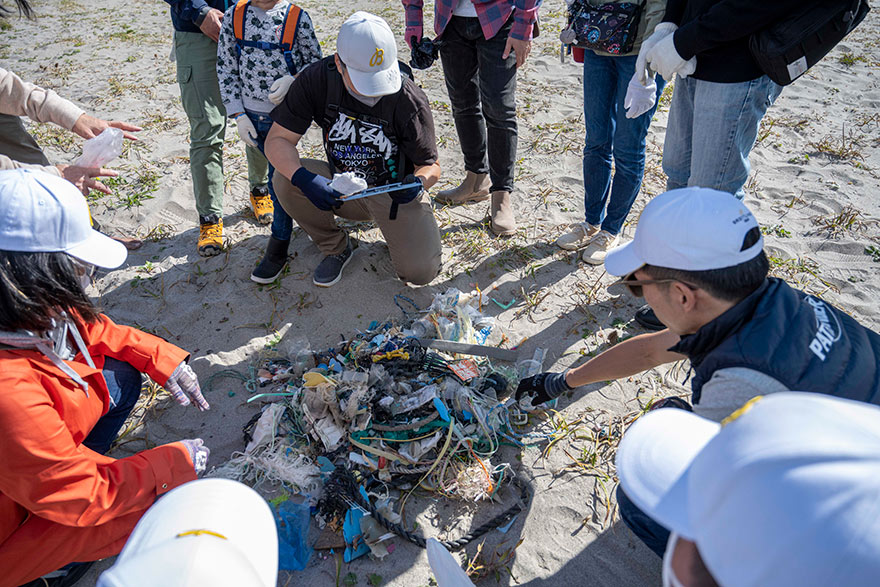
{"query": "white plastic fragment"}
pixel 446 569
pixel 348 183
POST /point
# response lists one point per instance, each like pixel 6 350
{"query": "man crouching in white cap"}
pixel 697 258
pixel 784 492
pixel 377 124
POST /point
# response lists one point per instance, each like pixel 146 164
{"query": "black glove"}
pixel 542 387
pixel 423 52
pixel 405 196
pixel 317 189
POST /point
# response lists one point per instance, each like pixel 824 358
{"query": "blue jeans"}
pixel 124 384
pixel 282 224
pixel 643 526
pixel 611 134
pixel 712 128
pixel 482 92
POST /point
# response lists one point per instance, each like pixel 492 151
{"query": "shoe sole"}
pixel 210 251
pixel 266 280
pixel 265 219
pixel 574 247
pixel 649 325
pixel 338 277
pixel 497 232
pixel 593 262
pixel 469 200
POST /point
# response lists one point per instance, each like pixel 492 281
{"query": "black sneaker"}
pixel 329 271
pixel 273 261
pixel 76 572
pixel 648 319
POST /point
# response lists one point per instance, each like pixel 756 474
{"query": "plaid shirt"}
pixel 493 14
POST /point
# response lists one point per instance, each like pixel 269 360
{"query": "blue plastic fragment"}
pixel 441 409
pixel 377 340
pixel 373 325
pixel 335 366
pixel 467 415
pixel 503 529
pixel 351 532
pixel 325 464
pixel 292 523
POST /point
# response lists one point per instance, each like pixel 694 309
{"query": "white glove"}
pixel 183 385
pixel 665 60
pixel 639 98
pixel 246 130
pixel 279 88
pixel 198 453
pixel 664 29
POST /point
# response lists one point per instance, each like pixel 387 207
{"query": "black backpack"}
pixel 788 48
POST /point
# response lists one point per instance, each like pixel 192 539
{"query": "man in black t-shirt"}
pixel 375 122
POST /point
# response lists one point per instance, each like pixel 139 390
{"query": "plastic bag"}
pixel 102 149
pixel 446 569
pixel 292 520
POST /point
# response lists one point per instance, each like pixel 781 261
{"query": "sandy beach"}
pixel 814 187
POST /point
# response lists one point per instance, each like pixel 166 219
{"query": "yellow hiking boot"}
pixel 261 204
pixel 210 235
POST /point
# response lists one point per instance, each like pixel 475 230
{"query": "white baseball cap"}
pixel 786 493
pixel 43 213
pixel 214 532
pixel 690 229
pixel 366 46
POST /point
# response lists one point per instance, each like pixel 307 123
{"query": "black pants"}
pixel 482 91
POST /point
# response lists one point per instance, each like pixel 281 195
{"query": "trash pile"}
pixel 358 427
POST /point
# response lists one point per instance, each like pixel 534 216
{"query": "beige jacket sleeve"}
pixel 20 98
pixel 7 163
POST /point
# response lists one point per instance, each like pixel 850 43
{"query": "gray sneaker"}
pixel 329 271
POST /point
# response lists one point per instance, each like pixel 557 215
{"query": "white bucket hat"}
pixel 42 213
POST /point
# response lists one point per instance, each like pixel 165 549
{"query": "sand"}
pixel 814 187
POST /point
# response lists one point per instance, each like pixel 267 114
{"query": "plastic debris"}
pixel 292 522
pixel 377 415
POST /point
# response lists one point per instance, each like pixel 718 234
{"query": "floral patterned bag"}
pixel 611 27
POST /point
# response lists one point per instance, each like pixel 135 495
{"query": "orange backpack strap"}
pixel 238 15
pixel 291 24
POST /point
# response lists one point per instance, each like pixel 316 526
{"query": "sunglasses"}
pixel 635 285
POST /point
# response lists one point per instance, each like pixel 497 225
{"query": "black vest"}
pixel 803 342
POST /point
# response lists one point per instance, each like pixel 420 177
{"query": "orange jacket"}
pixel 60 501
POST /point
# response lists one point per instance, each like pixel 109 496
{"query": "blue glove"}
pixel 405 196
pixel 317 189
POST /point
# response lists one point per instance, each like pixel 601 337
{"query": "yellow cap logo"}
pixel 377 58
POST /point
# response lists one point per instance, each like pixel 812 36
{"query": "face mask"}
pixel 85 278
pixel 669 578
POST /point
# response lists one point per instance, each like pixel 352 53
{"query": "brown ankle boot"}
pixel 474 188
pixel 503 223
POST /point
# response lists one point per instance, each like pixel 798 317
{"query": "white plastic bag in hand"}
pixel 639 98
pixel 279 88
pixel 246 130
pixel 102 149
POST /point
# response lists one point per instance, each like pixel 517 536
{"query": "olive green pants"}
pixel 200 96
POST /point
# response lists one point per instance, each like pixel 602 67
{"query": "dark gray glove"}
pixel 542 387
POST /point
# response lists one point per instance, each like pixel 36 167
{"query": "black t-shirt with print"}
pixel 407 113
